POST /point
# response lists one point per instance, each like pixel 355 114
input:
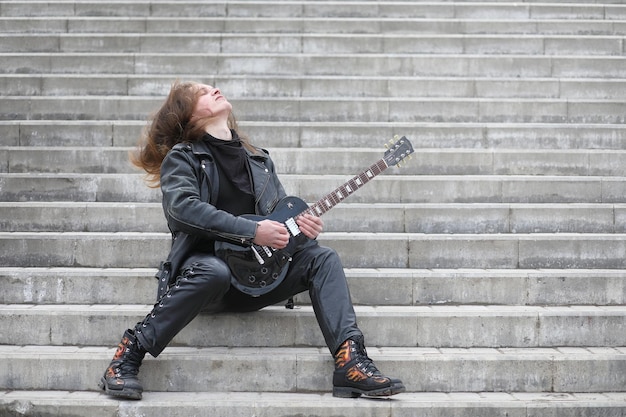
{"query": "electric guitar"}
pixel 257 269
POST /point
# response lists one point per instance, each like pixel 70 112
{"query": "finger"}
pixel 281 243
pixel 305 220
pixel 314 220
pixel 279 228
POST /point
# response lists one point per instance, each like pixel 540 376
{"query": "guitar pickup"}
pixel 292 226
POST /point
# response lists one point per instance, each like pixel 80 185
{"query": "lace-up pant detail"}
pixel 203 281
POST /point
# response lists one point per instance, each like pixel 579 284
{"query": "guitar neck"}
pixel 340 193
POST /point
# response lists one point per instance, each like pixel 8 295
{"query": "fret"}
pixel 342 192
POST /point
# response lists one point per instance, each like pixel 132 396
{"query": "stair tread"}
pixel 310 369
pixel 403 286
pixel 378 353
pixel 345 235
pixel 307 134
pixel 78 270
pixel 362 311
pixel 313 402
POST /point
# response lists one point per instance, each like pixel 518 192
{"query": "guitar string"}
pixel 333 196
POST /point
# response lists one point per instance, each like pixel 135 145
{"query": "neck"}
pixel 218 128
pixel 219 132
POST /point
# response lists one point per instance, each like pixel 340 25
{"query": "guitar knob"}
pixel 262 284
pixel 264 271
pixel 252 279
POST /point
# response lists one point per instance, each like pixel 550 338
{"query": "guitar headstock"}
pixel 397 151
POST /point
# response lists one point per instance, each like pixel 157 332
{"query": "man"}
pixel 210 177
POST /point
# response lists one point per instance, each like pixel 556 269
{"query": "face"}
pixel 211 103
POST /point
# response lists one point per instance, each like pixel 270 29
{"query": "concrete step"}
pixel 458 326
pixel 337 160
pixel 368 286
pixel 441 65
pixel 316 43
pixel 104 133
pixel 337 109
pixel 308 86
pixel 237 404
pixel 383 189
pixel 307 370
pixel 564 25
pixel 357 250
pixel 455 218
pixel 606 9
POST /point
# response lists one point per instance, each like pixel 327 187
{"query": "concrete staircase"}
pixel 489 273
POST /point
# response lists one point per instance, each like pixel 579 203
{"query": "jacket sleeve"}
pixel 186 212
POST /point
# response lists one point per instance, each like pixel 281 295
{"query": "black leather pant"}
pixel 204 286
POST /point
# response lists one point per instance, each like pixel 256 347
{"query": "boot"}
pixel 120 378
pixel 355 374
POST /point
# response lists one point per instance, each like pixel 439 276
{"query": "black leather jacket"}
pixel 189 183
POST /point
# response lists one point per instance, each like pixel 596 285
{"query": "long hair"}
pixel 170 125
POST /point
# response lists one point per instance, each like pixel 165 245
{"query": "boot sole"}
pixel 125 394
pixel 352 392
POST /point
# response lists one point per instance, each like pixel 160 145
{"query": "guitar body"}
pixel 258 269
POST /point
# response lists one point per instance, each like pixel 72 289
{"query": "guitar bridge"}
pixel 257 256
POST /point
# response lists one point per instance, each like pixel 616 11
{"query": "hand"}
pixel 310 225
pixel 271 233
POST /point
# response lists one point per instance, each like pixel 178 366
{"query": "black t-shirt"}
pixel 235 182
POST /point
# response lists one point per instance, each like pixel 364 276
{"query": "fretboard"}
pixel 340 193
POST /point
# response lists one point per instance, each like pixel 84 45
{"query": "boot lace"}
pixel 364 362
pixel 131 361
